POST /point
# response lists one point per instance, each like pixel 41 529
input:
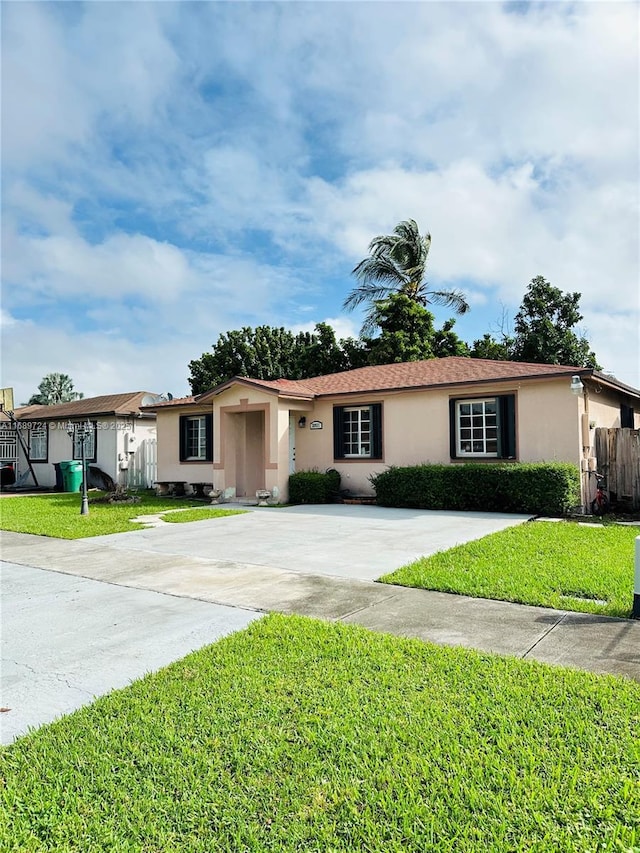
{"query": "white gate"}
pixel 8 445
pixel 143 468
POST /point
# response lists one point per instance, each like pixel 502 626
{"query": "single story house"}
pixel 121 441
pixel 249 434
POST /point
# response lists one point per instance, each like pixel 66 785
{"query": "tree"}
pixel 322 353
pixel 267 352
pixel 55 388
pixel 488 347
pixel 544 328
pixel 407 333
pixel 397 264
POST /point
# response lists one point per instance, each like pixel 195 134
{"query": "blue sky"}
pixel 175 170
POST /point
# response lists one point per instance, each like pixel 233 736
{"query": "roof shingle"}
pixel 110 404
pixel 453 370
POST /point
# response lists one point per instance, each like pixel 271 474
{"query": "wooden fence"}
pixel 618 456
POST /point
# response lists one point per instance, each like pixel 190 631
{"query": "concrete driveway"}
pixel 339 540
pixel 82 617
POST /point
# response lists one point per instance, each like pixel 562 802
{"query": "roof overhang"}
pixel 257 385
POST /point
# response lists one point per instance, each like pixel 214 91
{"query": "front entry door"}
pixel 250 453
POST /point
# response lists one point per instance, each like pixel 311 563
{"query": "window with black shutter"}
pixel 196 438
pixel 357 432
pixel 483 427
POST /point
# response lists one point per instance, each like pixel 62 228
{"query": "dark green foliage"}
pixel 544 328
pixel 407 333
pixel 270 353
pixel 537 488
pixel 313 487
pixel 488 347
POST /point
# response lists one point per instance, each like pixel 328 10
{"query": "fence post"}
pixel 635 613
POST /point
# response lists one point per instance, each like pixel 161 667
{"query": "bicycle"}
pixel 601 504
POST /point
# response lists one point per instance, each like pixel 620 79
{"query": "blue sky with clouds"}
pixel 175 170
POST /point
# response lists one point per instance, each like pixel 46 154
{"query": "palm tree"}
pixel 397 264
pixel 55 388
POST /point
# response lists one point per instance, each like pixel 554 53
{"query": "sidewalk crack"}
pixel 546 633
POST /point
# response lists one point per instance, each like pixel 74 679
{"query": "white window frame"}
pixel 477 427
pixel 201 439
pixel 359 440
pixel 39 438
pixel 90 443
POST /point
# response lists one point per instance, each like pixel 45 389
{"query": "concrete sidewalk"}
pixel 595 643
pixel 67 640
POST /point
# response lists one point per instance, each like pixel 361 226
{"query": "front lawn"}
pixel 551 564
pixel 59 514
pixel 297 735
pixel 200 514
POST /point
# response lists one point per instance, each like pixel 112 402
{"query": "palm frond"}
pixel 450 298
pixel 366 292
pixel 370 323
pixel 397 263
pixel 379 269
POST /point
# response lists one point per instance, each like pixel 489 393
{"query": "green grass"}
pixel 560 565
pixel 201 514
pixel 297 735
pixel 59 514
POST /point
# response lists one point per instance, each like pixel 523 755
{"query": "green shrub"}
pixel 313 487
pixel 539 488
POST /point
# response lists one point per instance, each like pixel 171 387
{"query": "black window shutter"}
pixel 376 424
pixel 338 432
pixel 452 429
pixel 507 409
pixel 208 425
pixel 183 437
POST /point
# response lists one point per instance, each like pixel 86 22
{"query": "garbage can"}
pixel 71 475
pixel 59 480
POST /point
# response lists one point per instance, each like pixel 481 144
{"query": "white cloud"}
pixel 207 166
pixel 98 363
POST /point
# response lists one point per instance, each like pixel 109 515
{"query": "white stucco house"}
pixel 121 441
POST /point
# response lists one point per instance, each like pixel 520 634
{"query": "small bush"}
pixel 537 488
pixel 313 487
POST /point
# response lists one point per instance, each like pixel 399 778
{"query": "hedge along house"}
pixel 121 441
pixel 250 434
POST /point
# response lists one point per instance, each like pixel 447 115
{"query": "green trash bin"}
pixel 71 475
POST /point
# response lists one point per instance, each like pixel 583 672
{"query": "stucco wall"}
pixel 415 428
pixel 251 432
pixel 168 434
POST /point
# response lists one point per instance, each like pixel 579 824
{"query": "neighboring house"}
pixel 121 441
pixel 249 434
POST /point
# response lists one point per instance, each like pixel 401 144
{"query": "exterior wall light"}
pixel 302 422
pixel 576 385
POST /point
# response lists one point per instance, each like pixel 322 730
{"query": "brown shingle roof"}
pixel 163 404
pixel 454 370
pixel 110 404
